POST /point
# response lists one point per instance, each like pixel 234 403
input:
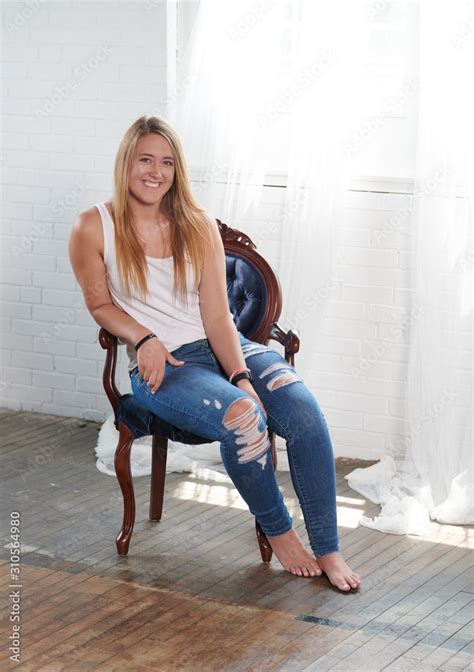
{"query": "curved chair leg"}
pixel 159 452
pixel 124 476
pixel 266 550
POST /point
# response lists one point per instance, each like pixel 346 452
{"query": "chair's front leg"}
pixel 266 550
pixel 124 476
pixel 159 451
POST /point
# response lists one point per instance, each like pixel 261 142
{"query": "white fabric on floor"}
pixel 407 505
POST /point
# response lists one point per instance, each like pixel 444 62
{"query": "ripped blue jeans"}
pixel 198 397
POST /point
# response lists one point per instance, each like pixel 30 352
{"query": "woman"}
pixel 188 363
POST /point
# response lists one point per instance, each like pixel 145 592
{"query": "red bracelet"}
pixel 234 373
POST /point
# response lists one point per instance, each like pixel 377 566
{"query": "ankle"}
pixel 329 556
pixel 279 536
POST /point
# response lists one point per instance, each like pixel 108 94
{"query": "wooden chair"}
pixel 255 301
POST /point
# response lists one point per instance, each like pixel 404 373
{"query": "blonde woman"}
pixel 151 266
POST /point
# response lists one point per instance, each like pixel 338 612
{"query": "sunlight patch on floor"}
pixel 348 516
pixel 454 535
pixel 210 493
pixel 351 500
pixel 227 496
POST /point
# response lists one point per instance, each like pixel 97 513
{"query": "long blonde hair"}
pixel 189 221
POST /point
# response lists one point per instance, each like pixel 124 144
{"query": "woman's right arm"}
pixel 86 256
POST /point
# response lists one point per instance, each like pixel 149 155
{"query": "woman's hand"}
pixel 151 359
pixel 247 386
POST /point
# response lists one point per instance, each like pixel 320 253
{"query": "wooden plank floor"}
pixel 193 594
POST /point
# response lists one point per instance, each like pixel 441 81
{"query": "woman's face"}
pixel 152 169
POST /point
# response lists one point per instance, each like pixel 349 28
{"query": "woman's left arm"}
pixel 218 321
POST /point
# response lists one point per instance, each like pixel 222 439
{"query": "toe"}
pixel 316 568
pixel 343 585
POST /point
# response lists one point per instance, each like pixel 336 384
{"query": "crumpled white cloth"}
pixel 407 503
pixel 203 460
pixel 458 507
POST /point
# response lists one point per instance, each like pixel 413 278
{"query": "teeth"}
pixel 151 184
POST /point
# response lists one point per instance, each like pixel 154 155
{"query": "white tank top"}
pixel 172 321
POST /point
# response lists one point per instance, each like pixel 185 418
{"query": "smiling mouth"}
pixel 152 185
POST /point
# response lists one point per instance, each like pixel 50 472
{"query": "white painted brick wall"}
pixel 59 163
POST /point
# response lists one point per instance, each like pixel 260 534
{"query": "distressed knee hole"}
pixel 281 380
pixel 243 418
pixel 253 349
pixel 285 377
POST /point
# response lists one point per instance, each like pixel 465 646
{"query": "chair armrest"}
pixel 109 342
pixel 289 339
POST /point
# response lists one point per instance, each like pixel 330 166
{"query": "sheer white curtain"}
pixel 271 96
pixel 435 479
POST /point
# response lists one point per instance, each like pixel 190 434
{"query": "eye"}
pixel 145 159
pixel 170 163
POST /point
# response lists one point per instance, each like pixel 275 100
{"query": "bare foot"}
pixel 338 572
pixel 292 554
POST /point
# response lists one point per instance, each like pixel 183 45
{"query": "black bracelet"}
pixel 241 376
pixel 145 338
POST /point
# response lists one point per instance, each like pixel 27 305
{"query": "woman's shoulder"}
pixel 87 228
pixel 89 218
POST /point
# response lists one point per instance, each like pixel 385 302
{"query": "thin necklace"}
pixel 160 228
